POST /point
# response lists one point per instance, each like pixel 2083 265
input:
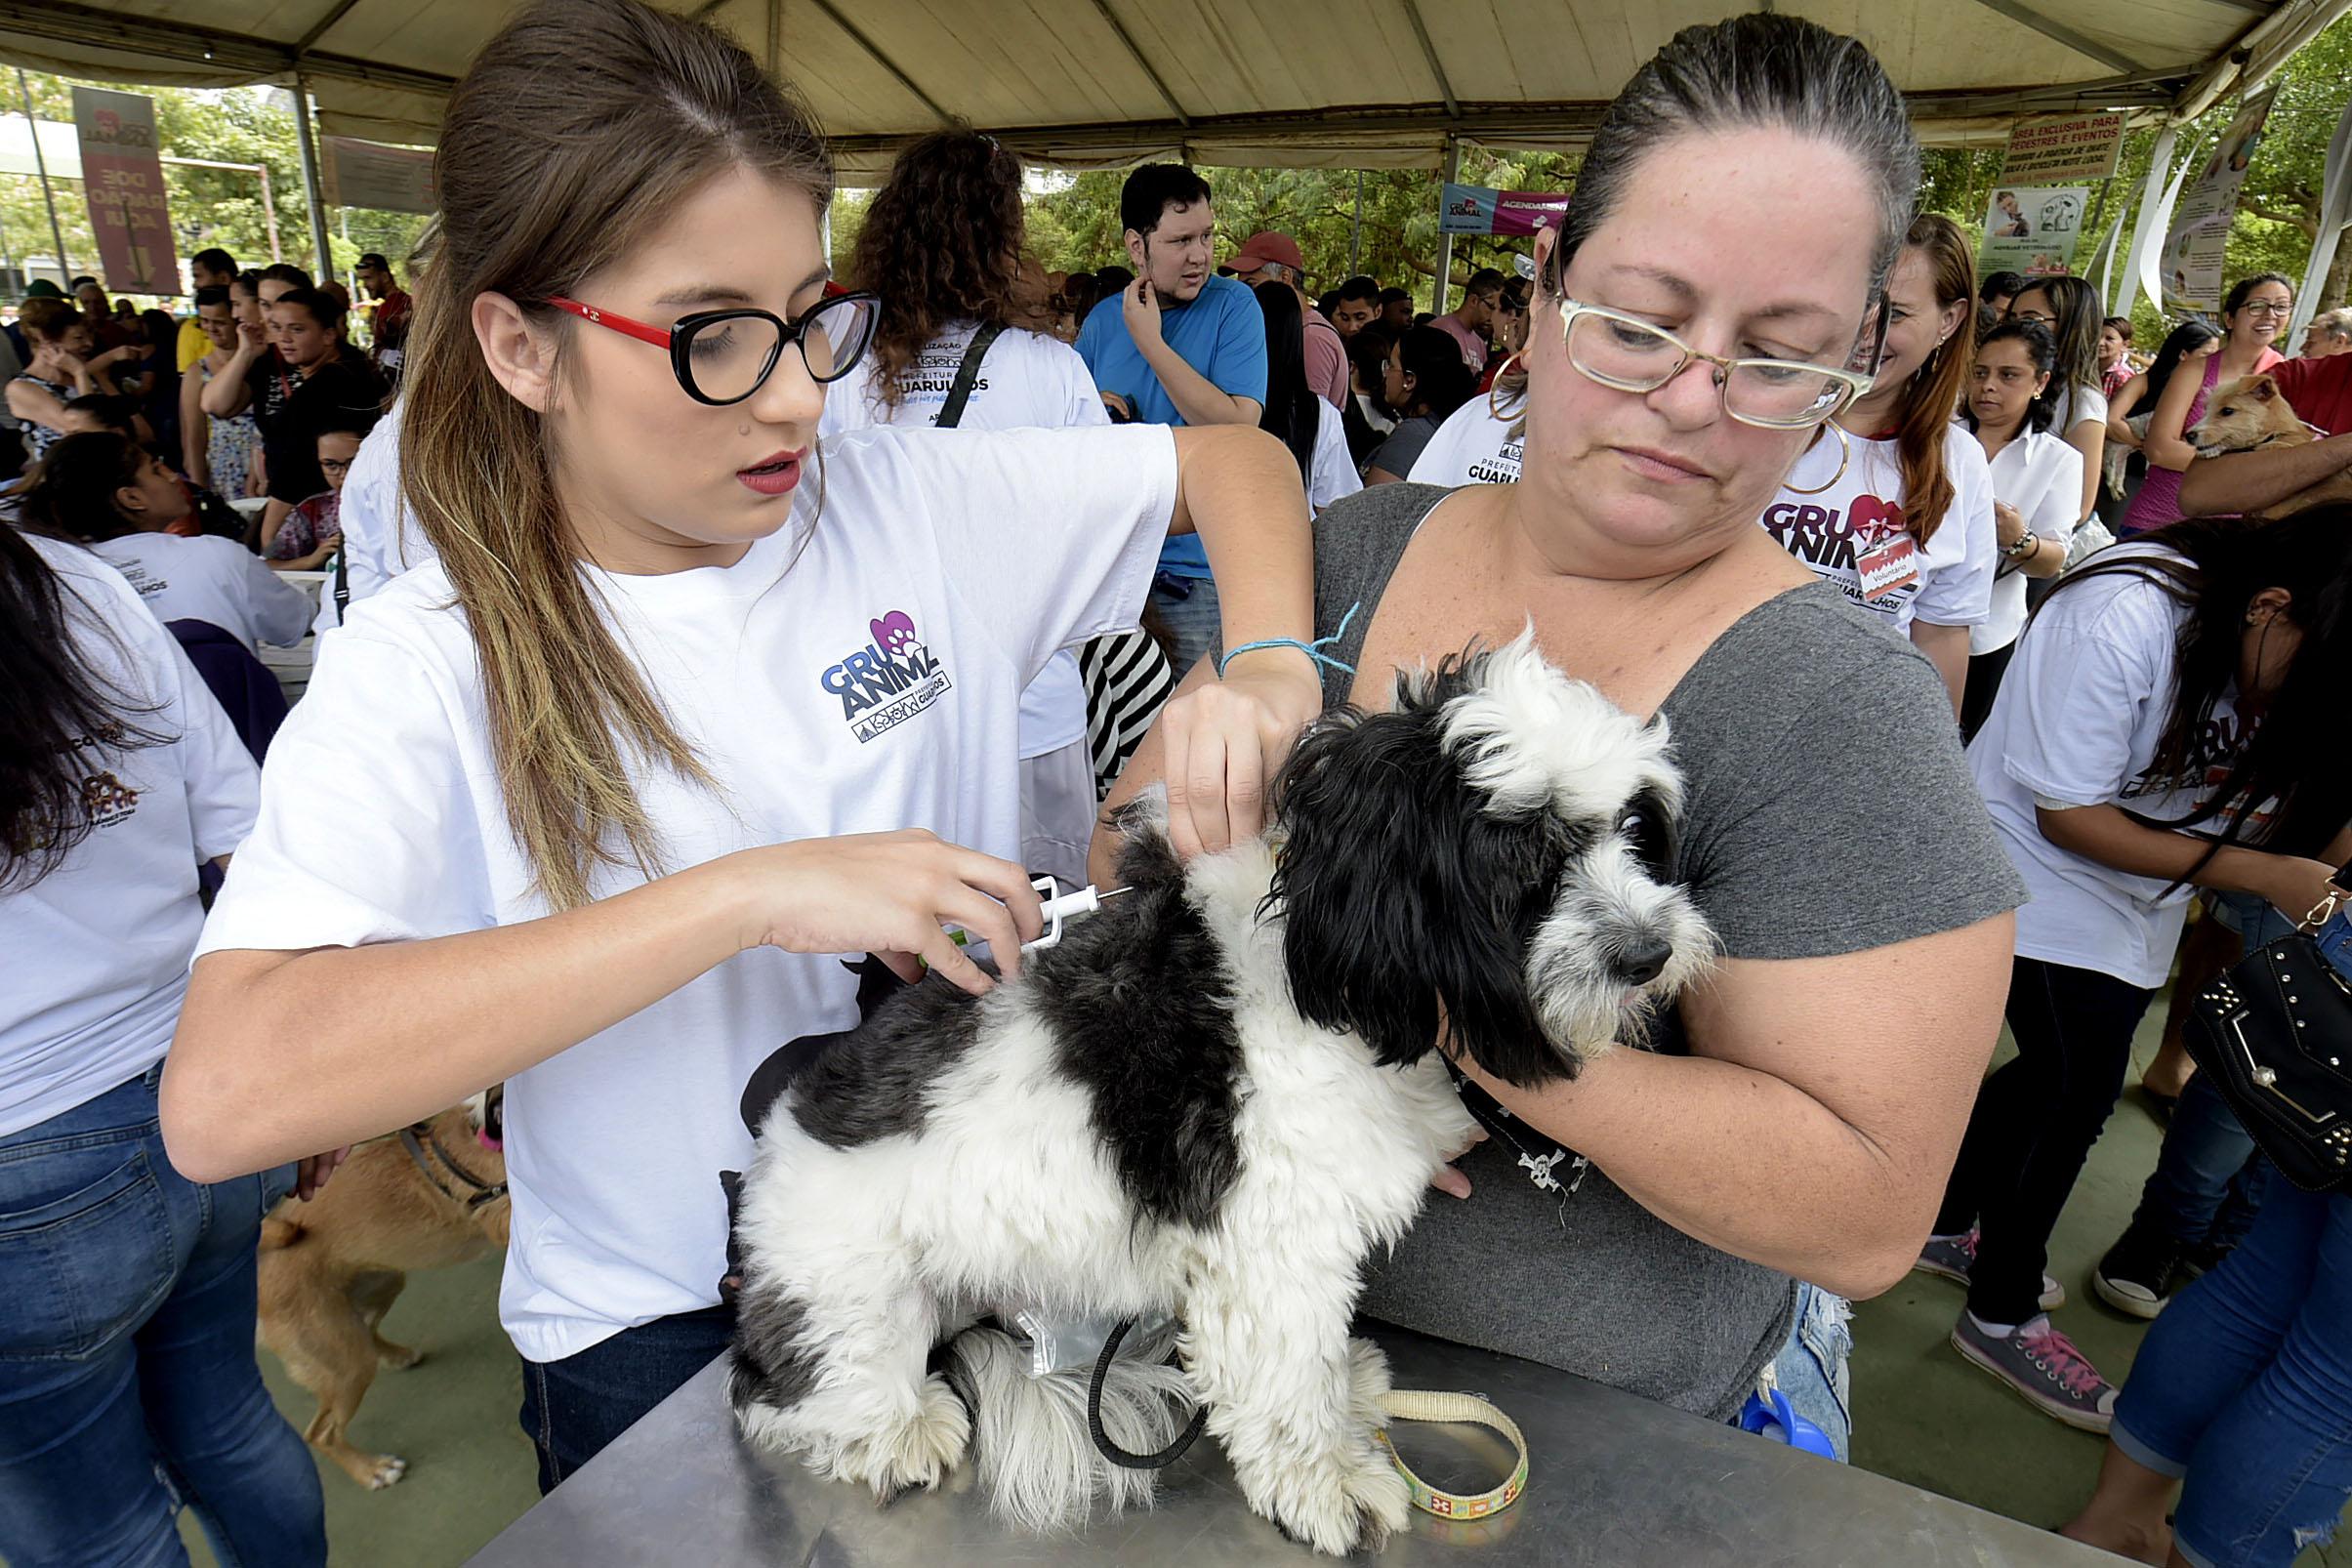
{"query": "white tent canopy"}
pixel 1302 83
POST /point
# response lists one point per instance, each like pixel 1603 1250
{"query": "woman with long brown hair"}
pixel 689 707
pixel 1895 502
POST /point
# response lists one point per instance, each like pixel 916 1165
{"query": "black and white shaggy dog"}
pixel 1214 1100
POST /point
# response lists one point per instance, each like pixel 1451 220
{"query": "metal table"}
pixel 1614 1480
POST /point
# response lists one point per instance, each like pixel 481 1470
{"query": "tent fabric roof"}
pixel 1310 83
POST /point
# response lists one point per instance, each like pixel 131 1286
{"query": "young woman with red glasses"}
pixel 690 707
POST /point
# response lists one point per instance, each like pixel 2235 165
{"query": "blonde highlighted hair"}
pixel 582 125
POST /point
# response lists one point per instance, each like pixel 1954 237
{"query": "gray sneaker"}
pixel 2044 1367
pixel 1953 1257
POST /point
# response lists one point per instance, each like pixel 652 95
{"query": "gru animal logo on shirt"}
pixel 888 681
pixel 1831 541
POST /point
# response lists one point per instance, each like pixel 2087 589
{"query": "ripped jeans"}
pixel 1812 1369
pixel 2245 1388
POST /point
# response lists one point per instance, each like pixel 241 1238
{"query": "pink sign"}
pixel 122 177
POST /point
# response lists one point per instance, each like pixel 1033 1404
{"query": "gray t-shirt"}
pixel 1402 449
pixel 1801 727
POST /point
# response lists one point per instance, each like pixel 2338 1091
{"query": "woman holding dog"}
pixel 690 705
pixel 1648 1224
pixel 2254 315
pixel 126 1289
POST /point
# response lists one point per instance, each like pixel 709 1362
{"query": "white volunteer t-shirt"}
pixel 216 581
pixel 1026 381
pixel 863 686
pixel 1953 584
pixel 381 536
pixel 1333 472
pixel 2078 403
pixel 1472 447
pixel 2041 477
pixel 98 950
pixel 2076 724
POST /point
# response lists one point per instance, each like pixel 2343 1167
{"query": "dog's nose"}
pixel 1642 961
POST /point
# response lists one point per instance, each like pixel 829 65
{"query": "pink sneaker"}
pixel 2045 1368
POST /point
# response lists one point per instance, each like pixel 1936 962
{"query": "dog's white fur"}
pixel 1007 1194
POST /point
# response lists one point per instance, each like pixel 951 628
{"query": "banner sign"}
pixel 122 177
pixel 2063 149
pixel 2189 269
pixel 1478 210
pixel 369 174
pixel 2033 230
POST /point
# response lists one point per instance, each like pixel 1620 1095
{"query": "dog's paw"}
pixel 380 1471
pixel 399 1357
pixel 916 1453
pixel 1345 1504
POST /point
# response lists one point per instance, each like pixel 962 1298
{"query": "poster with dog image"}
pixel 2189 267
pixel 2033 230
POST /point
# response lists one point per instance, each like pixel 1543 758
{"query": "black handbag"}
pixel 2275 1034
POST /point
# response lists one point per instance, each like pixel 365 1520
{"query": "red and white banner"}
pixel 122 177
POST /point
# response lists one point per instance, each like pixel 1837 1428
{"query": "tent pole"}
pixel 64 267
pixel 309 175
pixel 270 214
pixel 1355 231
pixel 1445 253
pixel 2335 208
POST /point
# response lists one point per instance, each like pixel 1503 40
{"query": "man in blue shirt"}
pixel 1179 346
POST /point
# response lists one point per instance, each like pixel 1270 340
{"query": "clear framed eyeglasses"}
pixel 1629 355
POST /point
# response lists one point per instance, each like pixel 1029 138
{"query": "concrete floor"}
pixel 1922 1414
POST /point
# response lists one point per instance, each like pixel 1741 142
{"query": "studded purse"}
pixel 2275 1033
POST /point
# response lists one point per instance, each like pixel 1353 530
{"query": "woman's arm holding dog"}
pixel 2167 443
pixel 2250 481
pixel 1814 1128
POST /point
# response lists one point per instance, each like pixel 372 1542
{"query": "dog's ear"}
pixel 2263 389
pixel 1407 908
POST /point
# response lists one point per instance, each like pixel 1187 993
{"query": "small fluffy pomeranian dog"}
pixel 1212 1100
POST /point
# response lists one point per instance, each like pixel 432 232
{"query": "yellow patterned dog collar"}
pixel 1414 1405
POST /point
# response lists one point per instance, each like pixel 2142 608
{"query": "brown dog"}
pixel 2252 414
pixel 330 1269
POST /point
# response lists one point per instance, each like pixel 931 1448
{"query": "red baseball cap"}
pixel 1268 247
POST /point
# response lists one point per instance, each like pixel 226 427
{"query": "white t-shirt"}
pixel 866 686
pixel 381 536
pixel 97 951
pixel 216 581
pixel 2076 724
pixel 1026 381
pixel 1472 447
pixel 1953 581
pixel 2079 402
pixel 1333 472
pixel 2041 477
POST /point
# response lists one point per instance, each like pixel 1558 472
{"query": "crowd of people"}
pixel 692 618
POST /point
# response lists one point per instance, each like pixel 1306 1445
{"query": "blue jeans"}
pixel 2245 1388
pixel 128 1386
pixel 573 1407
pixel 2207 1183
pixel 1190 607
pixel 1812 1369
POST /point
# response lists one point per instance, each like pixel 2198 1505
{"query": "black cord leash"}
pixel 1094 1414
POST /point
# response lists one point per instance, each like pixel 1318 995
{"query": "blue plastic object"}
pixel 1780 1422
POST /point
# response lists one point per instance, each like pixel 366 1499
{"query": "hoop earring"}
pixel 1494 389
pixel 1845 455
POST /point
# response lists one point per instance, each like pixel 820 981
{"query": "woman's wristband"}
pixel 1313 650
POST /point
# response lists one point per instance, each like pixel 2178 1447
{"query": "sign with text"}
pixel 1479 210
pixel 2033 230
pixel 122 177
pixel 2063 149
pixel 2189 267
pixel 369 174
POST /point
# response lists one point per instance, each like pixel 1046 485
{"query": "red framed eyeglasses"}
pixel 724 356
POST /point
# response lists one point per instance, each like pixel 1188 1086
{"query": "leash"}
pixel 1412 1404
pixel 483 1191
pixel 1400 1403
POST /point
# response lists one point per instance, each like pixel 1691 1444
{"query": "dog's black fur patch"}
pixel 1404 893
pixel 768 1365
pixel 1138 999
pixel 873 1080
